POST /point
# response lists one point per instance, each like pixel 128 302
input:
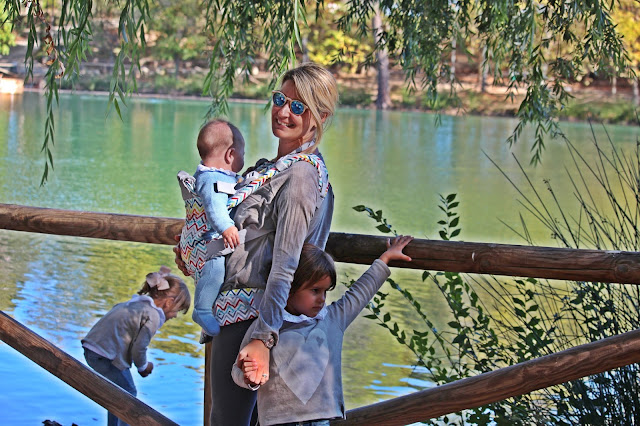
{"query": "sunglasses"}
pixel 296 106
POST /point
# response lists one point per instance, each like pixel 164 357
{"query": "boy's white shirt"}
pixel 296 319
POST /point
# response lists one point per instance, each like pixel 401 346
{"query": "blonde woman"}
pixel 293 207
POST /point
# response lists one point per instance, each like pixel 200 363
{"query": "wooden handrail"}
pixel 112 397
pixel 484 258
pixel 454 256
pixel 571 364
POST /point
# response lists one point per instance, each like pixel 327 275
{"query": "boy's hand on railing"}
pixel 178 259
pixel 394 249
pixel 147 370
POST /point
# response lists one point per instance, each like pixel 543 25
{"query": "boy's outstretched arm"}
pixel 394 249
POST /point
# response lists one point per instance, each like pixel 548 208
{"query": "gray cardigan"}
pixel 305 377
pixel 289 207
pixel 124 333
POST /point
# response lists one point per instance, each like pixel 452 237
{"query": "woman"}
pixel 290 210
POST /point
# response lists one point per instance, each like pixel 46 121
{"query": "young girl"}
pixel 305 383
pixel 123 334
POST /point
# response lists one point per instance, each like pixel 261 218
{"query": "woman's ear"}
pixel 324 116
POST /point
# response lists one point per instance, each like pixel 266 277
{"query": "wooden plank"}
pixel 571 364
pixel 454 256
pixel 110 396
pixel 111 226
pixel 497 259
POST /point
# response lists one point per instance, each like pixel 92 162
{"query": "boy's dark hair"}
pixel 314 265
pixel 209 140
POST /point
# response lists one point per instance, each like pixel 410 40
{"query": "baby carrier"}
pixel 196 250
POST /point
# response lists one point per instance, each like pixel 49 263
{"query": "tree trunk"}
pixel 614 85
pixel 383 101
pixel 305 50
pixel 482 71
pixel 177 61
pixel 452 69
pixel 636 93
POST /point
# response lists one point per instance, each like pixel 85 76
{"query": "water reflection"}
pixel 60 286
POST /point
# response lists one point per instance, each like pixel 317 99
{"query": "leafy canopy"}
pixel 536 47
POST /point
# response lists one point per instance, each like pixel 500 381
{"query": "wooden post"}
pixel 121 403
pixel 571 364
pixel 454 256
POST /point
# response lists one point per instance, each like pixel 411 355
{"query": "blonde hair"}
pixel 318 89
pixel 177 289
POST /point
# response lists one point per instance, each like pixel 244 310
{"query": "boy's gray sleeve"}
pixel 238 376
pixel 355 299
pixel 296 204
pixel 236 373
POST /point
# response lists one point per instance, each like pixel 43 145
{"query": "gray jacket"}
pixel 124 333
pixel 291 209
pixel 305 370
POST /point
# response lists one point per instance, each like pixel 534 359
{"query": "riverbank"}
pixel 596 103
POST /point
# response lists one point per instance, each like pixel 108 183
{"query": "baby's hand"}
pixel 231 237
pixel 147 370
pixel 394 249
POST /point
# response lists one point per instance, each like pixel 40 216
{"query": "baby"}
pixel 221 148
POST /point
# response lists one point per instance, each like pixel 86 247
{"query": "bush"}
pixel 532 318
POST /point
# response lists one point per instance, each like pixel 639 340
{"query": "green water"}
pixel 395 161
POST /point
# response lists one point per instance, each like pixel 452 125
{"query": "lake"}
pixel 399 162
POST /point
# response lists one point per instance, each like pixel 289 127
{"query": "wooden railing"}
pixel 112 397
pixel 482 258
pixel 454 256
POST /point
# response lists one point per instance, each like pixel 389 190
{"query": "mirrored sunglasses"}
pixel 296 107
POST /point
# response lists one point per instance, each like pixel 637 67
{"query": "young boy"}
pixel 305 383
pixel 221 148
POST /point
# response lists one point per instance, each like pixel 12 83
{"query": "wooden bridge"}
pixel 481 258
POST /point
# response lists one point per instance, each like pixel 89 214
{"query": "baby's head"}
pixel 168 292
pixel 316 274
pixel 221 145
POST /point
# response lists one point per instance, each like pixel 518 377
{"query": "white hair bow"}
pixel 157 279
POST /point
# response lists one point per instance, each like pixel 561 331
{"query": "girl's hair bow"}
pixel 158 280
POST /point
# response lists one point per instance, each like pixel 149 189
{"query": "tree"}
pixel 383 100
pixel 520 37
pixel 626 17
pixel 179 30
pixel 7 38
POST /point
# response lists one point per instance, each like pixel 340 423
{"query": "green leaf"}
pixel 383 228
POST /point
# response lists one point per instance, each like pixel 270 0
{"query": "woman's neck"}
pixel 285 148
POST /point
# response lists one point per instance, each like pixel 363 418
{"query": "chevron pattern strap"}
pixel 193 249
pixel 237 305
pixel 282 164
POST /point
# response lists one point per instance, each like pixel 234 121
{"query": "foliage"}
pixel 7 38
pixel 177 29
pixel 536 47
pixel 626 17
pixel 495 323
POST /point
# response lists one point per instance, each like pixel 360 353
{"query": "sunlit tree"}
pixel 626 16
pixel 418 36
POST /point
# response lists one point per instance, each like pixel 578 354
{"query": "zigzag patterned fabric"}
pixel 269 170
pixel 237 305
pixel 193 248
